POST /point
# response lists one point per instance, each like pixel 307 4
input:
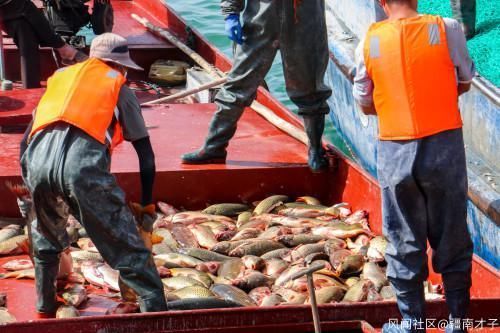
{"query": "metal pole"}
pixel 308 271
pixel 187 92
pixel 2 62
pixel 314 305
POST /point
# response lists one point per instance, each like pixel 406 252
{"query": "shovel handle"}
pixel 307 271
pixel 314 304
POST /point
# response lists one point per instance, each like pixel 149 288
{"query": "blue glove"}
pixel 233 28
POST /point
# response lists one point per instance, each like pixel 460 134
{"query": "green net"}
pixel 485 46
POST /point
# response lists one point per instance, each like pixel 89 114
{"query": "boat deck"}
pixel 258 147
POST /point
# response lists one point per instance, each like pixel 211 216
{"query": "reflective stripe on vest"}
pixel 415 88
pixel 85 96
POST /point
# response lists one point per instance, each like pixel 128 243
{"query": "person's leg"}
pixel 47 36
pixel 405 227
pixel 304 49
pixel 48 235
pixel 101 208
pixel 27 42
pixel 465 12
pixel 44 32
pixel 442 175
pixel 253 59
pixel 49 238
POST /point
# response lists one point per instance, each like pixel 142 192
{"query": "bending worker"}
pixel 407 71
pixel 29 28
pixel 298 30
pixel 86 111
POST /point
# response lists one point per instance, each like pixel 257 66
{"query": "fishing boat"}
pixel 480 109
pixel 262 160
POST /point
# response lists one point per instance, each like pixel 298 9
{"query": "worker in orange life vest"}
pixel 411 69
pixel 86 111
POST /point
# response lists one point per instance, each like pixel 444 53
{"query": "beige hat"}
pixel 114 48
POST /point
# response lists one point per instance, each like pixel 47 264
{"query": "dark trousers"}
pixel 29 28
pixel 424 197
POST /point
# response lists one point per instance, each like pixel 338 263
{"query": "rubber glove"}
pixel 233 28
pixel 144 215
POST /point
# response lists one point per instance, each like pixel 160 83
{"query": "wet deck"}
pixel 257 148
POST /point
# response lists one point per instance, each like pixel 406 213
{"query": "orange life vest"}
pixel 415 88
pixel 85 96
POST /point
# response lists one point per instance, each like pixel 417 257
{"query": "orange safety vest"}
pixel 85 96
pixel 415 87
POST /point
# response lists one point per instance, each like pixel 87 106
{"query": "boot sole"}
pixel 209 161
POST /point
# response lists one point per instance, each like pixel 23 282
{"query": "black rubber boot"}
pixel 46 274
pixel 153 303
pixel 221 130
pixel 202 156
pixel 411 304
pixel 314 126
pixel 458 304
pixel 457 292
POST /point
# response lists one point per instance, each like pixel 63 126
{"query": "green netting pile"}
pixel 485 46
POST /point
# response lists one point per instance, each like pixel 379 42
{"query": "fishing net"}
pixel 485 46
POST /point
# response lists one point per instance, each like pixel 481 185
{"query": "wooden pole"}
pixel 285 126
pixel 187 92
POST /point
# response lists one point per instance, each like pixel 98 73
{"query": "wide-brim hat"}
pixel 114 48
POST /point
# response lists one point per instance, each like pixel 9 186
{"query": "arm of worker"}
pixel 135 131
pixel 363 85
pixel 457 46
pixel 232 6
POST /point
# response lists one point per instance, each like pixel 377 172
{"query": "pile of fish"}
pixel 240 254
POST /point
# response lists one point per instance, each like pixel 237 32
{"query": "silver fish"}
pixel 67 311
pixel 6 317
pixel 74 295
pixel 10 231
